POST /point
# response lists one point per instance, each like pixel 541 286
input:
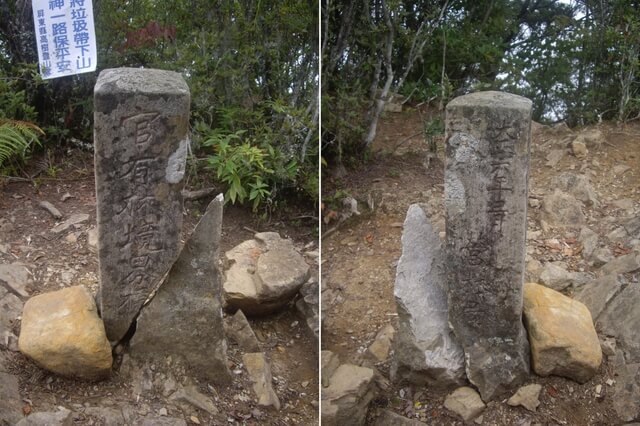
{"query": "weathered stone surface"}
pixel 241 332
pixel 10 401
pixel 579 149
pixel 425 349
pixel 309 304
pixel 108 416
pixel 563 339
pixel 597 293
pixel 623 264
pixel 379 349
pixel 184 319
pixel 260 373
pixel 621 319
pixel 527 396
pixel 486 174
pixel 61 332
pixel 16 277
pixel 329 364
pixel 141 123
pixel 74 219
pixel 626 400
pixel 346 400
pixel 191 395
pixel 628 231
pixel 465 402
pixel 62 417
pixel 561 209
pixel 10 310
pixel 556 277
pixel 265 274
pixel 576 185
pixel 389 418
pixel 589 240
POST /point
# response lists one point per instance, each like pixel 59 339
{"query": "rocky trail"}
pixel 48 240
pixel 583 240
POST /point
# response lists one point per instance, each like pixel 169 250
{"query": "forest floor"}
pixel 67 259
pixel 359 258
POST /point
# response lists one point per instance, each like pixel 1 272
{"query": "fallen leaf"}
pixel 26 410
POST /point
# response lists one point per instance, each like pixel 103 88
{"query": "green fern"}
pixel 16 137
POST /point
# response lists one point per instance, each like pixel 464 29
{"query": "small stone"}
pixel 61 332
pixel 346 400
pixel 162 412
pixel 598 390
pixel 53 211
pixel 16 277
pixel 191 395
pixel 610 382
pixel 379 349
pixel 465 402
pixel 92 237
pixel 623 264
pixel 608 346
pixel 194 420
pixel 579 149
pixel 527 396
pixel 561 209
pixel 260 374
pixel 74 219
pixel 241 332
pixel 329 363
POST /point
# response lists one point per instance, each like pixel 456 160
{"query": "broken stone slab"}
pixel 425 349
pixel 10 309
pixel 192 395
pixel 141 126
pixel 527 396
pixel 465 402
pixel 329 364
pixel 260 373
pixel 62 417
pixel 628 231
pixel 308 305
pixel 597 293
pixel 51 209
pixel 621 319
pixel 62 333
pixel 241 332
pixel 74 219
pixel 563 339
pixel 558 278
pixel 379 350
pixel 560 209
pixel 10 400
pixel 623 264
pixel 389 418
pixel 16 277
pixel 346 400
pixel 626 400
pixel 184 318
pixel 485 191
pixel 265 274
pixel 576 185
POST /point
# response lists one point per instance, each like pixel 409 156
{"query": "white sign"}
pixel 66 37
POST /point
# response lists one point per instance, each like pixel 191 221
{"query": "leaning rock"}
pixel 184 319
pixel 425 349
pixel 379 349
pixel 561 209
pixel 597 293
pixel 16 277
pixel 309 304
pixel 62 417
pixel 264 275
pixel 527 396
pixel 465 402
pixel 621 319
pixel 626 400
pixel 561 333
pixel 346 400
pixel 576 185
pixel 260 373
pixel 61 332
pixel 241 332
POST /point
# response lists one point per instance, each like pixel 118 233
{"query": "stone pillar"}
pixel 486 176
pixel 141 123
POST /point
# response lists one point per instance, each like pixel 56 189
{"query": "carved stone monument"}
pixel 486 175
pixel 141 122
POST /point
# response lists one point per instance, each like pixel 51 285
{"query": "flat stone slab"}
pixel 62 333
pixel 184 319
pixel 141 123
pixel 621 319
pixel 260 373
pixel 265 274
pixel 15 277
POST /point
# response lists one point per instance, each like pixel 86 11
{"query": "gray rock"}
pixel 74 219
pixel 329 364
pixel 628 231
pixel 601 256
pixel 597 293
pixel 265 274
pixel 533 269
pixel 309 305
pixel 10 401
pixel 425 349
pixel 62 417
pixel 10 310
pixel 141 124
pixel 346 400
pixel 578 186
pixel 465 402
pixel 556 277
pixel 589 240
pixel 16 277
pixel 579 149
pixel 487 167
pixel 184 319
pixel 623 264
pixel 241 332
pixel 108 416
pixel 389 418
pixel 527 396
pixel 554 156
pixel 379 350
pixel 626 400
pixel 621 319
pixel 560 209
pixel 51 209
pixel 191 395
pixel 260 374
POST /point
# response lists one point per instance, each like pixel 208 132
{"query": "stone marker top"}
pixel 491 99
pixel 140 80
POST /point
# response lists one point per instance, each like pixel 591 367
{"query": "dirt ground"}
pixel 359 258
pixel 61 260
